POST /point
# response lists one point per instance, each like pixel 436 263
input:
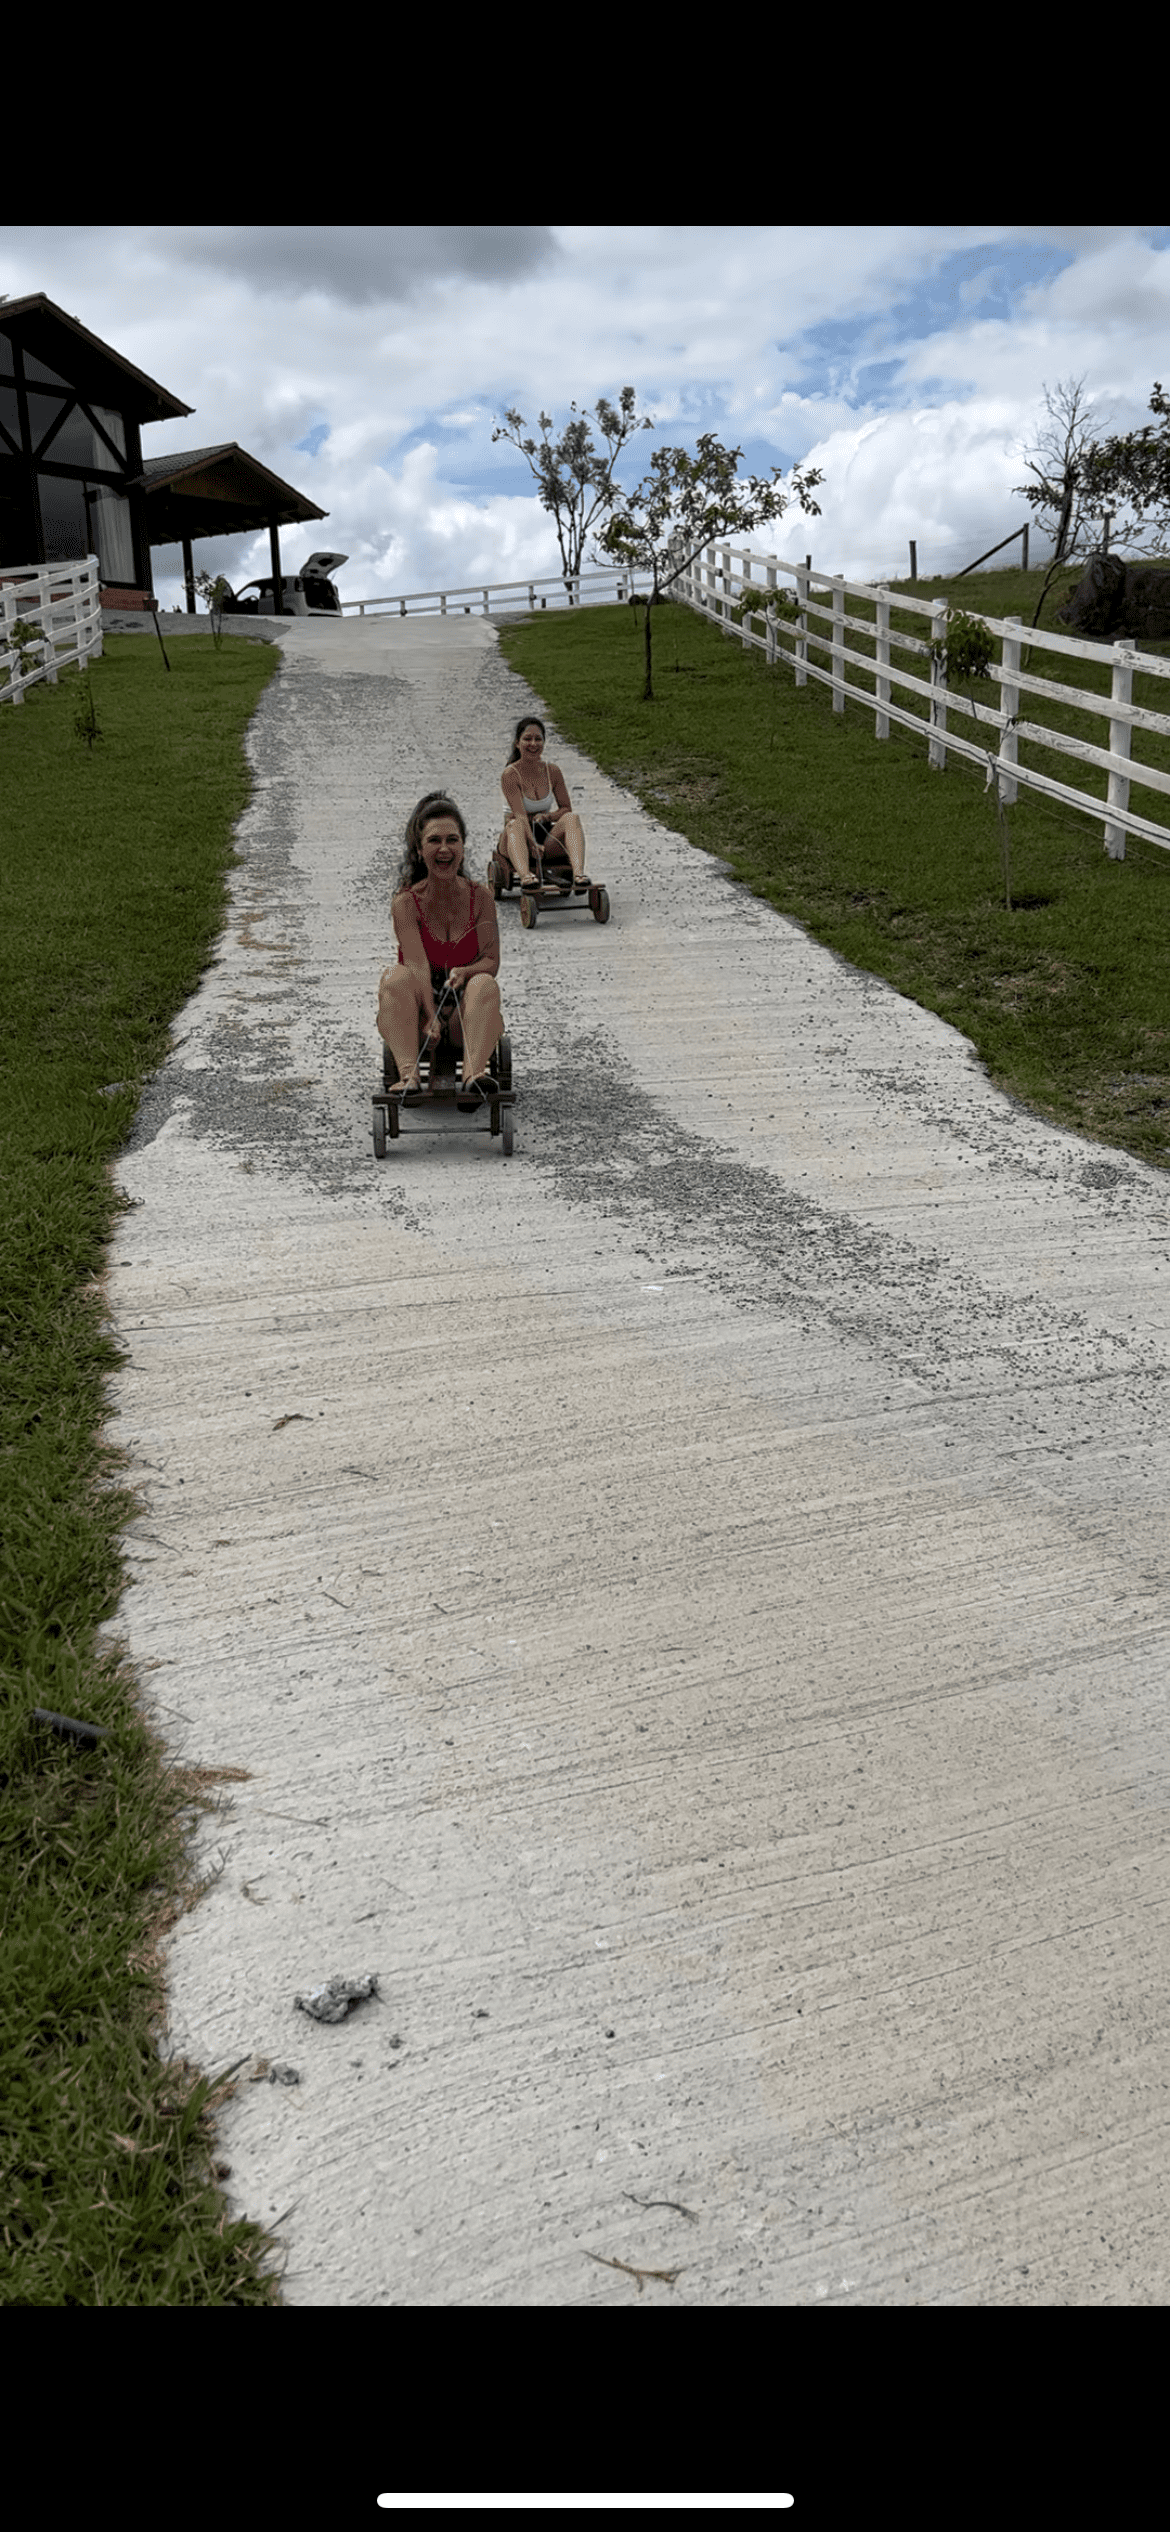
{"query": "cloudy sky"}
pixel 367 366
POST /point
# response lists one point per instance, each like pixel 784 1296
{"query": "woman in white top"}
pixel 539 808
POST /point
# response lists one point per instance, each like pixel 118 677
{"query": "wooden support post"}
pixel 1009 696
pixel 938 679
pixel 1120 734
pixel 770 619
pixel 274 549
pixel 913 560
pixel 745 628
pixel 838 642
pixel 802 581
pixel 189 574
pixel 881 719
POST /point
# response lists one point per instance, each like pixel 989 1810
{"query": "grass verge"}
pixel 891 863
pixel 114 863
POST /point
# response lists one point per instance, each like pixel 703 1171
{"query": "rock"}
pixel 1115 600
pixel 332 2002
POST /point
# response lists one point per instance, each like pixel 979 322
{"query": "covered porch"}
pixel 206 492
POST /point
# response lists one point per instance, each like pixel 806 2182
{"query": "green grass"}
pixel 896 865
pixel 112 891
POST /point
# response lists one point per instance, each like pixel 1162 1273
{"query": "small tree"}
pixel 24 636
pixel 574 480
pixel 683 504
pixel 213 593
pixel 966 654
pixel 85 720
pixel 1134 467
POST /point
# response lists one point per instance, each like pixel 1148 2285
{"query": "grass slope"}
pixel 112 883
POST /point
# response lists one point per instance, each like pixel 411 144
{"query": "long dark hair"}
pixel 531 721
pixel 434 804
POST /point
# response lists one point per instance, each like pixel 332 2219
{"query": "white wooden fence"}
pixel 717 580
pixel 63 601
pixel 475 598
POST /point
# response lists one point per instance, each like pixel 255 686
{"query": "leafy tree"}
pixel 213 594
pixel 1134 467
pixel 683 504
pixel 574 480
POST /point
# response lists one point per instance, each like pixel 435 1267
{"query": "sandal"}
pixel 408 1089
pixel 582 886
pixel 471 1094
pixel 530 882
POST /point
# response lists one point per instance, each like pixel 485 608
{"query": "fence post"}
pixel 802 581
pixel 839 642
pixel 1010 705
pixel 881 720
pixel 7 619
pixel 938 679
pixel 770 617
pixel 745 628
pixel 1120 734
pixel 725 601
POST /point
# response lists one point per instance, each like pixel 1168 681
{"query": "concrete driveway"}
pixel 690 1600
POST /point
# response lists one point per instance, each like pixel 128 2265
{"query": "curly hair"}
pixel 412 868
pixel 529 722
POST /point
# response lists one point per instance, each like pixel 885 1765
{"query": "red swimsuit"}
pixel 444 955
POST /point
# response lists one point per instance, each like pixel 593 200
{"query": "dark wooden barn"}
pixel 72 476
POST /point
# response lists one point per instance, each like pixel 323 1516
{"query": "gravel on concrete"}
pixel 690 1599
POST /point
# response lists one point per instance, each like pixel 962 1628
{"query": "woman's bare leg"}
pixel 570 832
pixel 516 846
pixel 401 1017
pixel 482 1024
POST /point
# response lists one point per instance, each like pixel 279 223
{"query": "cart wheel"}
pixel 506 1132
pixel 502 1062
pixel 600 905
pixel 495 875
pixel 494 1119
pixel 392 1119
pixel 389 1068
pixel 528 910
pixel 379 1134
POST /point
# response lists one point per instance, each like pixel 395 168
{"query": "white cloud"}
pixel 903 360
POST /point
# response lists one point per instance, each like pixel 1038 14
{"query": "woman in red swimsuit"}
pixel 447 933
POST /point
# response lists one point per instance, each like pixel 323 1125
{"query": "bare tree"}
pixel 575 482
pixel 1066 490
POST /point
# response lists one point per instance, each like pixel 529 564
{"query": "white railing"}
pixel 717 580
pixel 475 597
pixel 64 601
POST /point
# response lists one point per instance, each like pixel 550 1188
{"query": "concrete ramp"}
pixel 690 1600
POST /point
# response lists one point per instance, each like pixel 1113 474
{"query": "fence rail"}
pixel 718 580
pixel 64 600
pixel 474 597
